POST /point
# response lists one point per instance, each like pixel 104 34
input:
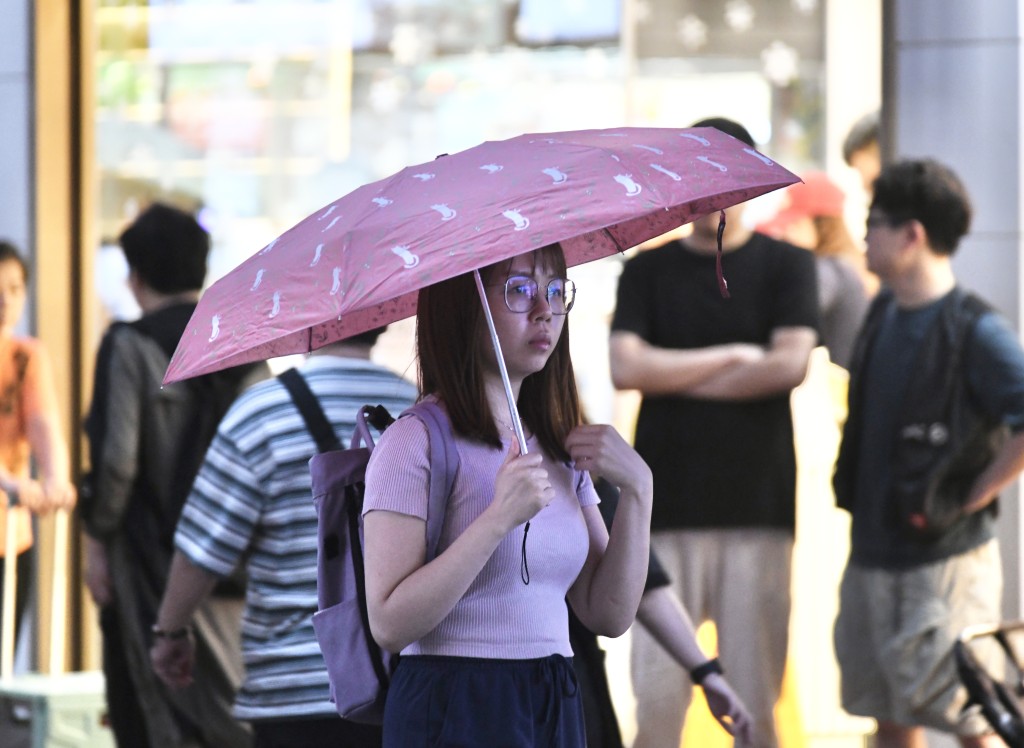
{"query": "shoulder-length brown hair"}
pixel 452 344
pixel 834 238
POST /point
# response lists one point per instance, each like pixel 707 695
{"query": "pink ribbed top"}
pixel 499 616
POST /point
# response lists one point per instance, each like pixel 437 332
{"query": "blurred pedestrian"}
pixel 29 430
pixel 251 504
pixel 663 615
pixel 935 432
pixel 862 150
pixel 146 442
pixel 716 429
pixel 812 217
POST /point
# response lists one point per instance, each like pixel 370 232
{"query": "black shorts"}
pixel 465 701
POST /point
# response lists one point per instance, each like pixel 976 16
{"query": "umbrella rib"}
pixel 618 247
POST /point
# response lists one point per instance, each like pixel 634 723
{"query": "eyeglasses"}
pixel 521 294
pixel 884 220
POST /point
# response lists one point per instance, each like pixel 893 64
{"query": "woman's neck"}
pixel 497 399
pixel 706 242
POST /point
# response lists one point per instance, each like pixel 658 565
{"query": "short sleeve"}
pixel 398 473
pixel 631 301
pixel 585 491
pixel 996 371
pixel 220 516
pixel 796 293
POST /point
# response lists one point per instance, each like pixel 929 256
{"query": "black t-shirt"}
pixel 718 464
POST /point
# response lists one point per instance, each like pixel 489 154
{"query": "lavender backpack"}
pixel 359 671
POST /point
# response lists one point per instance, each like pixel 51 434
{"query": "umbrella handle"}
pixel 513 411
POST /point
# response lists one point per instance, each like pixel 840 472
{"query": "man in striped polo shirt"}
pixel 251 503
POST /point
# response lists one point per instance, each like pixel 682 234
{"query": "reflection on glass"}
pixel 258 112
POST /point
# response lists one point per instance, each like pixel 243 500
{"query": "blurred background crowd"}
pixel 253 114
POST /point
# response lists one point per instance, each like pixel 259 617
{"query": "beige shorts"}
pixel 894 639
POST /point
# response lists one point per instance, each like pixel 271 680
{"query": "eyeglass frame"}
pixel 567 285
pixel 878 218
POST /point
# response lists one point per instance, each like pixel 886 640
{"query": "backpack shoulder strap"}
pixel 971 308
pixel 444 462
pixel 310 409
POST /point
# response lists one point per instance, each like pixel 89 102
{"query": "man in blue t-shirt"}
pixel 935 432
pixel 716 429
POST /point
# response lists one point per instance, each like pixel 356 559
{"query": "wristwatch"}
pixel 699 673
pixel 175 635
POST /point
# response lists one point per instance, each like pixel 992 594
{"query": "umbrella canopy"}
pixel 359 262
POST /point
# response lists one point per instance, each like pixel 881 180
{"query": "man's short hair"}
pixel 367 338
pixel 863 134
pixel 728 126
pixel 926 191
pixel 167 249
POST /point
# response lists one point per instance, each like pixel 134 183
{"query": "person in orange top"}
pixel 29 427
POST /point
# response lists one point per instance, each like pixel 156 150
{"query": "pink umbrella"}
pixel 359 262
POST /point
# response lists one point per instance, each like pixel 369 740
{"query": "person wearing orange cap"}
pixel 812 218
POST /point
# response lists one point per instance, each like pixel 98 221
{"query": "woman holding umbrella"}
pixel 483 626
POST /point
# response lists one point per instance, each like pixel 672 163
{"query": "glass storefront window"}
pixel 258 112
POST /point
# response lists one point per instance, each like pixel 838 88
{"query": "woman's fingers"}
pixel 602 451
pixel 522 487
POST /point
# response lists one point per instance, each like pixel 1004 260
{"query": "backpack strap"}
pixel 444 457
pixel 444 461
pixel 310 409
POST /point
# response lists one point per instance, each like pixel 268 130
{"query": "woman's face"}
pixel 12 295
pixel 524 295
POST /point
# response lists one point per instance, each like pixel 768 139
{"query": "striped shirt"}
pixel 252 504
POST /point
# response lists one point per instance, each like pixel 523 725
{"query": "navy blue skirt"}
pixel 474 702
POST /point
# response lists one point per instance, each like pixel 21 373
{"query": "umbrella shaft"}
pixel 513 411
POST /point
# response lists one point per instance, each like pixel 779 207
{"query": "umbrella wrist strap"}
pixel 723 286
